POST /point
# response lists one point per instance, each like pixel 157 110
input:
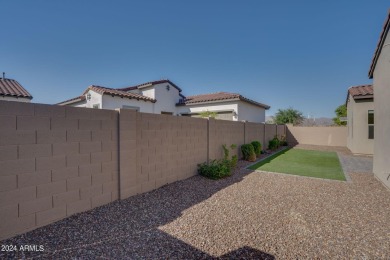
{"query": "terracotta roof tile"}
pixel 72 100
pixel 151 83
pixel 12 88
pixel 361 91
pixel 219 96
pixel 382 38
pixel 119 93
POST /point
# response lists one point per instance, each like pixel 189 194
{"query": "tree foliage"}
pixel 288 116
pixel 208 114
pixel 341 111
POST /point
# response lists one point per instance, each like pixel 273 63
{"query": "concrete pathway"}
pixel 355 164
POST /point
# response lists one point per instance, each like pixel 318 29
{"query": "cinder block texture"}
pixel 225 132
pixel 152 145
pixel 55 161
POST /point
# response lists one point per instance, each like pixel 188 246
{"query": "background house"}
pixel 165 97
pixel 228 106
pixel 360 114
pixel 11 90
pixel 380 72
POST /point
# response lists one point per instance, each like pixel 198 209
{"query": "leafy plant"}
pixel 257 147
pixel 217 169
pixel 233 161
pixel 248 152
pixel 226 152
pixel 208 114
pixel 283 141
pixel 341 111
pixel 274 143
pixel 288 116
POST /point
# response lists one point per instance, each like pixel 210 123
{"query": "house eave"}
pixel 379 47
pixel 222 101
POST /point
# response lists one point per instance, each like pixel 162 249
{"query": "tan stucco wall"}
pixel 382 115
pixel 357 141
pixel 328 136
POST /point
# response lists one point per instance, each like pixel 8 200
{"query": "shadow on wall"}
pixel 131 228
pixel 291 140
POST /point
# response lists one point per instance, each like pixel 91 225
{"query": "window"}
pixel 370 124
pixel 95 105
pixel 130 107
pixel 166 113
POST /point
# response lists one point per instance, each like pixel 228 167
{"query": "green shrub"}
pixel 226 152
pixel 248 152
pixel 274 143
pixel 283 141
pixel 215 169
pixel 233 162
pixel 257 147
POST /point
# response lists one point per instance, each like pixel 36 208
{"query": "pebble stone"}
pixel 250 215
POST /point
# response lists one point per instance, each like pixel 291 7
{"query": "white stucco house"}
pixel 11 90
pixel 165 97
pixel 360 118
pixel 380 73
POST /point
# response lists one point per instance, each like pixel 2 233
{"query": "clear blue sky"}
pixel 303 54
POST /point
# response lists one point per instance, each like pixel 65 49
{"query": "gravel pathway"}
pixel 361 164
pixel 249 215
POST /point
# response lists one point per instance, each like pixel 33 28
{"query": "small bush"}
pixel 216 169
pixel 274 143
pixel 257 147
pixel 248 152
pixel 283 141
pixel 233 162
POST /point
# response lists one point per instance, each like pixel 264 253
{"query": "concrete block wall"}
pixel 270 132
pixel 254 132
pixel 327 136
pixel 281 131
pixel 54 162
pixel 225 132
pixel 158 149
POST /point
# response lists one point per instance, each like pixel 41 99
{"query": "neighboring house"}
pixel 165 97
pixel 228 106
pixel 360 116
pixel 11 90
pixel 380 72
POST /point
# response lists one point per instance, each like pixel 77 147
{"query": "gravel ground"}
pixel 249 215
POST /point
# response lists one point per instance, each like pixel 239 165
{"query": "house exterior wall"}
pixel 96 99
pixel 115 102
pixel 357 114
pixel 17 99
pixel 166 99
pixel 219 107
pixel 250 113
pixel 148 92
pixel 79 104
pixel 381 82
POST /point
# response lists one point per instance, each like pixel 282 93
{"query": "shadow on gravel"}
pixel 129 228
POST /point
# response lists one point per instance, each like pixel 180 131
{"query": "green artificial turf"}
pixel 309 163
